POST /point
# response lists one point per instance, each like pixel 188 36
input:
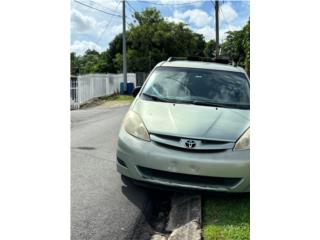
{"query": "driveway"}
pixel 102 206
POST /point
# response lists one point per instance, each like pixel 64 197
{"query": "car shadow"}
pixel 135 194
pixel 154 205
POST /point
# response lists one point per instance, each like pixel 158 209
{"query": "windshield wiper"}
pixel 155 98
pixel 222 105
pixel 196 102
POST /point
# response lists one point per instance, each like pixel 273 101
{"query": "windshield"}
pixel 198 86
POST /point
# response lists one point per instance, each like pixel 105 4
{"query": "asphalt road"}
pixel 102 206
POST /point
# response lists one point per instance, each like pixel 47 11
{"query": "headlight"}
pixel 134 125
pixel 244 141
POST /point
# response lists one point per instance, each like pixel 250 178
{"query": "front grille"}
pixel 202 145
pixel 190 150
pixel 188 179
pixel 176 138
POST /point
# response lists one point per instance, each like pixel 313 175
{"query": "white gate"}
pixel 74 103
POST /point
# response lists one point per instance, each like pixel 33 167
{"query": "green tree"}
pixel 115 47
pixel 90 61
pixel 237 46
pixel 74 64
pixel 209 50
pixel 246 43
pixel 152 40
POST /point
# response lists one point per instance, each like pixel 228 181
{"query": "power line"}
pixel 94 3
pixel 116 15
pixel 224 20
pixel 112 14
pixel 220 9
pixel 108 24
pixel 222 13
pixel 156 3
pixel 131 11
pixel 131 6
pixel 128 16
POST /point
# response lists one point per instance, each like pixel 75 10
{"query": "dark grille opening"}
pixel 188 178
pixel 213 142
pixel 122 163
pixel 191 150
pixel 173 138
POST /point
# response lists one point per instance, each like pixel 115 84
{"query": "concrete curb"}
pixel 189 231
pixel 184 209
pixel 184 219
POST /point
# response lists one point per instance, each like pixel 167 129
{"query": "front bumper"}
pixel 226 171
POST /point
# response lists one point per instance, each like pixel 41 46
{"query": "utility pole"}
pixel 216 6
pixel 124 45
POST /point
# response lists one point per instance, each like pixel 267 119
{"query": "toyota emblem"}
pixel 190 144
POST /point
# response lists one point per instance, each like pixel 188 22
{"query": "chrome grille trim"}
pixel 201 144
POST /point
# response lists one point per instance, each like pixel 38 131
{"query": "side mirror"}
pixel 136 90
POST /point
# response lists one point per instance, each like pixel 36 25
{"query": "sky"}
pixel 93 29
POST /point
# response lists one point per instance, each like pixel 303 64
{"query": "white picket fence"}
pixel 86 87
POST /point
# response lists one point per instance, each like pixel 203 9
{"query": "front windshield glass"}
pixel 224 88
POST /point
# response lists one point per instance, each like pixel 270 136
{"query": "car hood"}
pixel 193 121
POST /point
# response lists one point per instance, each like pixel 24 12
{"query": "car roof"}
pixel 201 65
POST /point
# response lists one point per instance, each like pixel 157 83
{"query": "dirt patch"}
pixel 114 100
pixel 92 103
pixel 115 103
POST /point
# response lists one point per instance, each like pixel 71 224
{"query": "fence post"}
pixel 107 84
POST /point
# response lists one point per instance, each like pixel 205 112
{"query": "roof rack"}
pixel 222 59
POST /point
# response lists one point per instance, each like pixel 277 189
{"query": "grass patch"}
pixel 117 98
pixel 113 99
pixel 226 218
